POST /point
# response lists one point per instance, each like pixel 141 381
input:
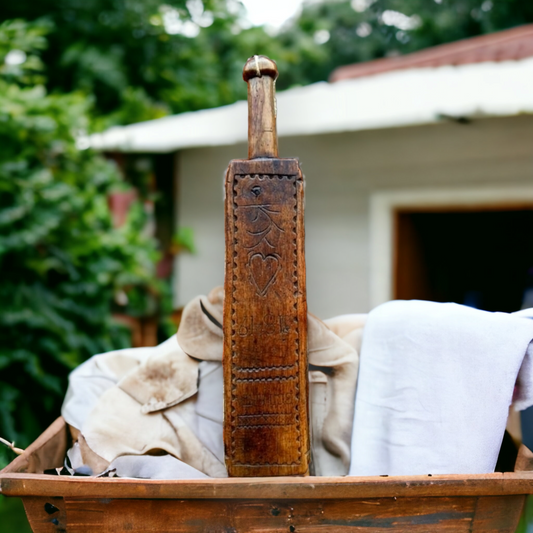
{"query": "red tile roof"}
pixel 513 44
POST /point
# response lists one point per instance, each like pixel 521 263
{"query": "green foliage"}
pixel 12 516
pixel 17 38
pixel 60 257
pixel 142 59
pixel 332 33
pixel 526 520
pixel 184 240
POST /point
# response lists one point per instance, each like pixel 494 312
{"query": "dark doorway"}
pixel 479 258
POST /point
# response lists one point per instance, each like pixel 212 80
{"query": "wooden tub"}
pixel 469 503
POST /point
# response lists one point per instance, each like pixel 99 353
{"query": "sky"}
pixel 271 12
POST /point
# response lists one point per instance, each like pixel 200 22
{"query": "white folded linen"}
pixel 434 388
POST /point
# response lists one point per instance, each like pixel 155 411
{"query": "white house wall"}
pixel 343 171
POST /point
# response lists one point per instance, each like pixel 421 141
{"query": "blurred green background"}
pixel 72 67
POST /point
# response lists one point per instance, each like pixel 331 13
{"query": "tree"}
pixel 61 259
pixel 332 33
pixel 142 59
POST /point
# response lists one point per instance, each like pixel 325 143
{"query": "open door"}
pixel 481 258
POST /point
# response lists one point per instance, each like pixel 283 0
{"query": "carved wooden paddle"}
pixel 266 427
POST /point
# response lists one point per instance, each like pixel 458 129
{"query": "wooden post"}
pixel 266 427
pixel 261 73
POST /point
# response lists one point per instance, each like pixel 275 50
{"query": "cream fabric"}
pixel 168 399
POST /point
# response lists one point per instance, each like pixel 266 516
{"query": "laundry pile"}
pixel 411 388
pixel 129 409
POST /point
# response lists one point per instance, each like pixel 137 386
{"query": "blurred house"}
pixel 419 177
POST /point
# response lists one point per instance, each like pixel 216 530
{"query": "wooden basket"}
pixel 469 503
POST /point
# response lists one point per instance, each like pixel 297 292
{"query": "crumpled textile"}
pixel 144 402
pixel 435 384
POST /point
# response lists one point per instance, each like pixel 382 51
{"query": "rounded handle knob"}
pixel 259 66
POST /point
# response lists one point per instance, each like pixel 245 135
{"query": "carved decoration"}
pixel 264 422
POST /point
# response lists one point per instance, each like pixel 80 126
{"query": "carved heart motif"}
pixel 263 270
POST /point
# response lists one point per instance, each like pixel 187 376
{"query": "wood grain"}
pixel 453 514
pixel 524 460
pixel 46 515
pixel 260 72
pixel 266 427
pixel 48 451
pixel 316 488
pixel 416 514
pixel 497 514
pixel 265 321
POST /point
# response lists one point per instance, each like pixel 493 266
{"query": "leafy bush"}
pixel 61 259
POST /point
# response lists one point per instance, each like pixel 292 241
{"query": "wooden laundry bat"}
pixel 266 425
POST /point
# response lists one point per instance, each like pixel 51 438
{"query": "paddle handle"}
pixel 261 73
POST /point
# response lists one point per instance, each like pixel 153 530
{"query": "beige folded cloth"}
pixel 168 399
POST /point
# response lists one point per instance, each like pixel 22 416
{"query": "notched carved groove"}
pixel 277 378
pixel 265 368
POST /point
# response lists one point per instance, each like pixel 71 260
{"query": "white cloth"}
pixel 434 389
pixel 135 466
pixel 153 467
